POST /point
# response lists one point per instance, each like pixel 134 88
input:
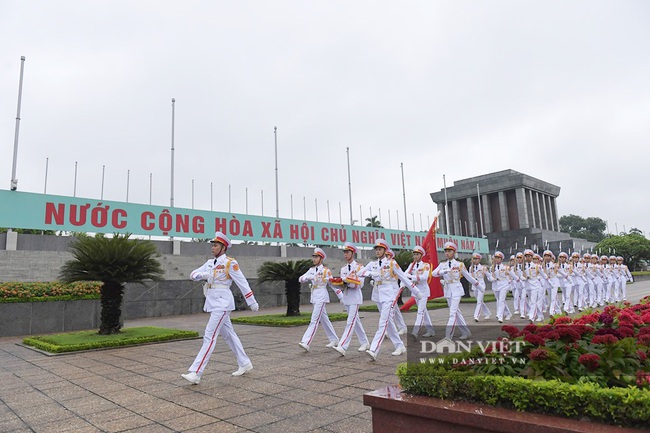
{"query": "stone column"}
pixel 487 214
pixel 555 218
pixel 455 214
pixel 549 209
pixel 539 211
pixel 470 216
pixel 544 214
pixel 503 210
pixel 522 208
pixel 529 196
pixel 442 218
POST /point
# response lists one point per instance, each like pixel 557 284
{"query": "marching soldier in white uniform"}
pixel 564 280
pixel 450 272
pixel 419 273
pixel 352 298
pixel 627 276
pixel 578 280
pixel 519 292
pixel 385 272
pixel 478 271
pixel 398 318
pixel 500 275
pixel 533 273
pixel 552 283
pixel 319 277
pixel 219 302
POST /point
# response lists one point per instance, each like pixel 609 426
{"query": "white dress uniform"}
pixel 500 276
pixel 386 272
pixel 627 276
pixel 579 281
pixel 478 273
pixel 352 298
pixel 450 272
pixel 219 302
pixel 521 303
pixel 533 273
pixel 420 274
pixel 608 280
pixel 552 284
pixel 319 277
pixel 563 278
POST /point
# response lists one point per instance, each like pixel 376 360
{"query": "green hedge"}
pixel 621 406
pixel 49 291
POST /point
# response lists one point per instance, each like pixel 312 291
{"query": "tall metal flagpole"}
pixel 444 183
pixel 14 181
pixel 150 186
pixel 192 193
pixel 47 162
pixel 211 197
pixel 316 204
pixel 480 210
pixel 103 171
pixel 406 218
pixel 128 176
pixel 171 197
pixel 277 197
pixel 347 150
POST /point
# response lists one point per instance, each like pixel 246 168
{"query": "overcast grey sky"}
pixel 558 90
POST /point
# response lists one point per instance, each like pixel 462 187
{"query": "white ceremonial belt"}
pixel 219 286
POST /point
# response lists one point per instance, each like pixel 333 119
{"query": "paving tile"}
pixel 122 424
pixel 255 420
pixel 189 422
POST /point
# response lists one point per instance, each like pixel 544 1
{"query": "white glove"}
pixel 419 296
pixel 255 306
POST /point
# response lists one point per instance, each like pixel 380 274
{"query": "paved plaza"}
pixel 139 389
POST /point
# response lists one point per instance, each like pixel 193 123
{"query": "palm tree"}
pixel 113 261
pixel 289 272
pixel 374 222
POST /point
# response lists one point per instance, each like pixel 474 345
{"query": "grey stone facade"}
pixel 516 211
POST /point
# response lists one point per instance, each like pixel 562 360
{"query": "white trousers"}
pixel 352 325
pixel 481 307
pixel 385 327
pixel 422 317
pixel 537 296
pixel 398 318
pixel 501 303
pixel 319 315
pixel 219 324
pixel 456 319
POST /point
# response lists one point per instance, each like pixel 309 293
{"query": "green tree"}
pixel 29 231
pixel 374 222
pixel 404 258
pixel 632 247
pixel 591 229
pixel 114 261
pixel 289 272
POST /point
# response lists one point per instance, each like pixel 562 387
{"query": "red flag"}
pixel 431 257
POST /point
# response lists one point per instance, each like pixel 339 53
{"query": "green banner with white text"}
pixel 23 210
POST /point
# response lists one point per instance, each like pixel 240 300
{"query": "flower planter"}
pixel 395 411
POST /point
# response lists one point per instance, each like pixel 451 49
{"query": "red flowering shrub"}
pixel 538 355
pixel 589 360
pixel 604 339
pixel 605 347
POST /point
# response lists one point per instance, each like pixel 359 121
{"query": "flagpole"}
pixel 406 218
pixel 14 181
pixel 444 182
pixel 347 150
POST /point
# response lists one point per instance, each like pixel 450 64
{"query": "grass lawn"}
pixel 435 304
pixel 87 340
pixel 282 320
